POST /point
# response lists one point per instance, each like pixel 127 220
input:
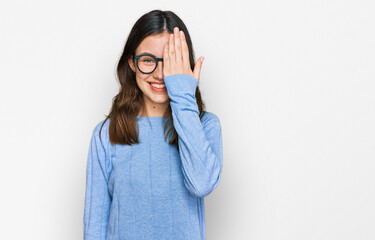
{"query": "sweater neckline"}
pixel 151 118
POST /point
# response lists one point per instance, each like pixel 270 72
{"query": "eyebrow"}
pixel 147 53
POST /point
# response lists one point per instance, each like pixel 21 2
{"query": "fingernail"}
pixel 202 59
pixel 181 33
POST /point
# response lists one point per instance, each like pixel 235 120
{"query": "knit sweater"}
pixel 153 190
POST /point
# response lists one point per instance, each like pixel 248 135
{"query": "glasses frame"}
pixel 155 58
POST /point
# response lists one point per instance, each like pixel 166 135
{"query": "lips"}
pixel 156 82
pixel 157 89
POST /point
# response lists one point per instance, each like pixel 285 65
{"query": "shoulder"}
pixel 101 143
pixel 209 116
pixel 101 131
pixel 103 125
pixel 210 120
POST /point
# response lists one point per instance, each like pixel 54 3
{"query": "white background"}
pixel 291 81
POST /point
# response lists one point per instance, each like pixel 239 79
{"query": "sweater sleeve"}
pixel 97 199
pixel 200 142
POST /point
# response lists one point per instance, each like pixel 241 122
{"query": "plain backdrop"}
pixel 291 81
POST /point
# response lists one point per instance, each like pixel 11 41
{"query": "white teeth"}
pixel 155 85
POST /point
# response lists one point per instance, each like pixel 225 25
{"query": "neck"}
pixel 153 109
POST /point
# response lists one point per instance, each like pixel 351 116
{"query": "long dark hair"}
pixel 123 127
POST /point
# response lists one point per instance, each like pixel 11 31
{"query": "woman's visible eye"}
pixel 147 60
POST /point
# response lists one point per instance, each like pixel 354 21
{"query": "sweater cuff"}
pixel 181 83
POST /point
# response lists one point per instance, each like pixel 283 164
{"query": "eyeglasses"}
pixel 146 63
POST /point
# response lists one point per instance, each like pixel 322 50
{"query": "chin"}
pixel 159 100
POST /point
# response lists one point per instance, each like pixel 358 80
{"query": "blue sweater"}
pixel 153 190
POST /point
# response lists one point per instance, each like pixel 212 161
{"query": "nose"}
pixel 158 73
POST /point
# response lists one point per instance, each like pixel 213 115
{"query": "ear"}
pixel 131 64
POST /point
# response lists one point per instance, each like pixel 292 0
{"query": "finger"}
pixel 177 45
pixel 185 50
pixel 166 62
pixel 171 49
pixel 197 68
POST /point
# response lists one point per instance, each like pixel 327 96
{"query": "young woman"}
pixel 157 154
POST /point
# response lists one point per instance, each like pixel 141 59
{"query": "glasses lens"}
pixel 146 64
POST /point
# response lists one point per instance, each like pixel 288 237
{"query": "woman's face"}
pixel 155 98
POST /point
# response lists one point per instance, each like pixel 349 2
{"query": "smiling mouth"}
pixel 157 85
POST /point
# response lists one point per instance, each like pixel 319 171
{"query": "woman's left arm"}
pixel 200 142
